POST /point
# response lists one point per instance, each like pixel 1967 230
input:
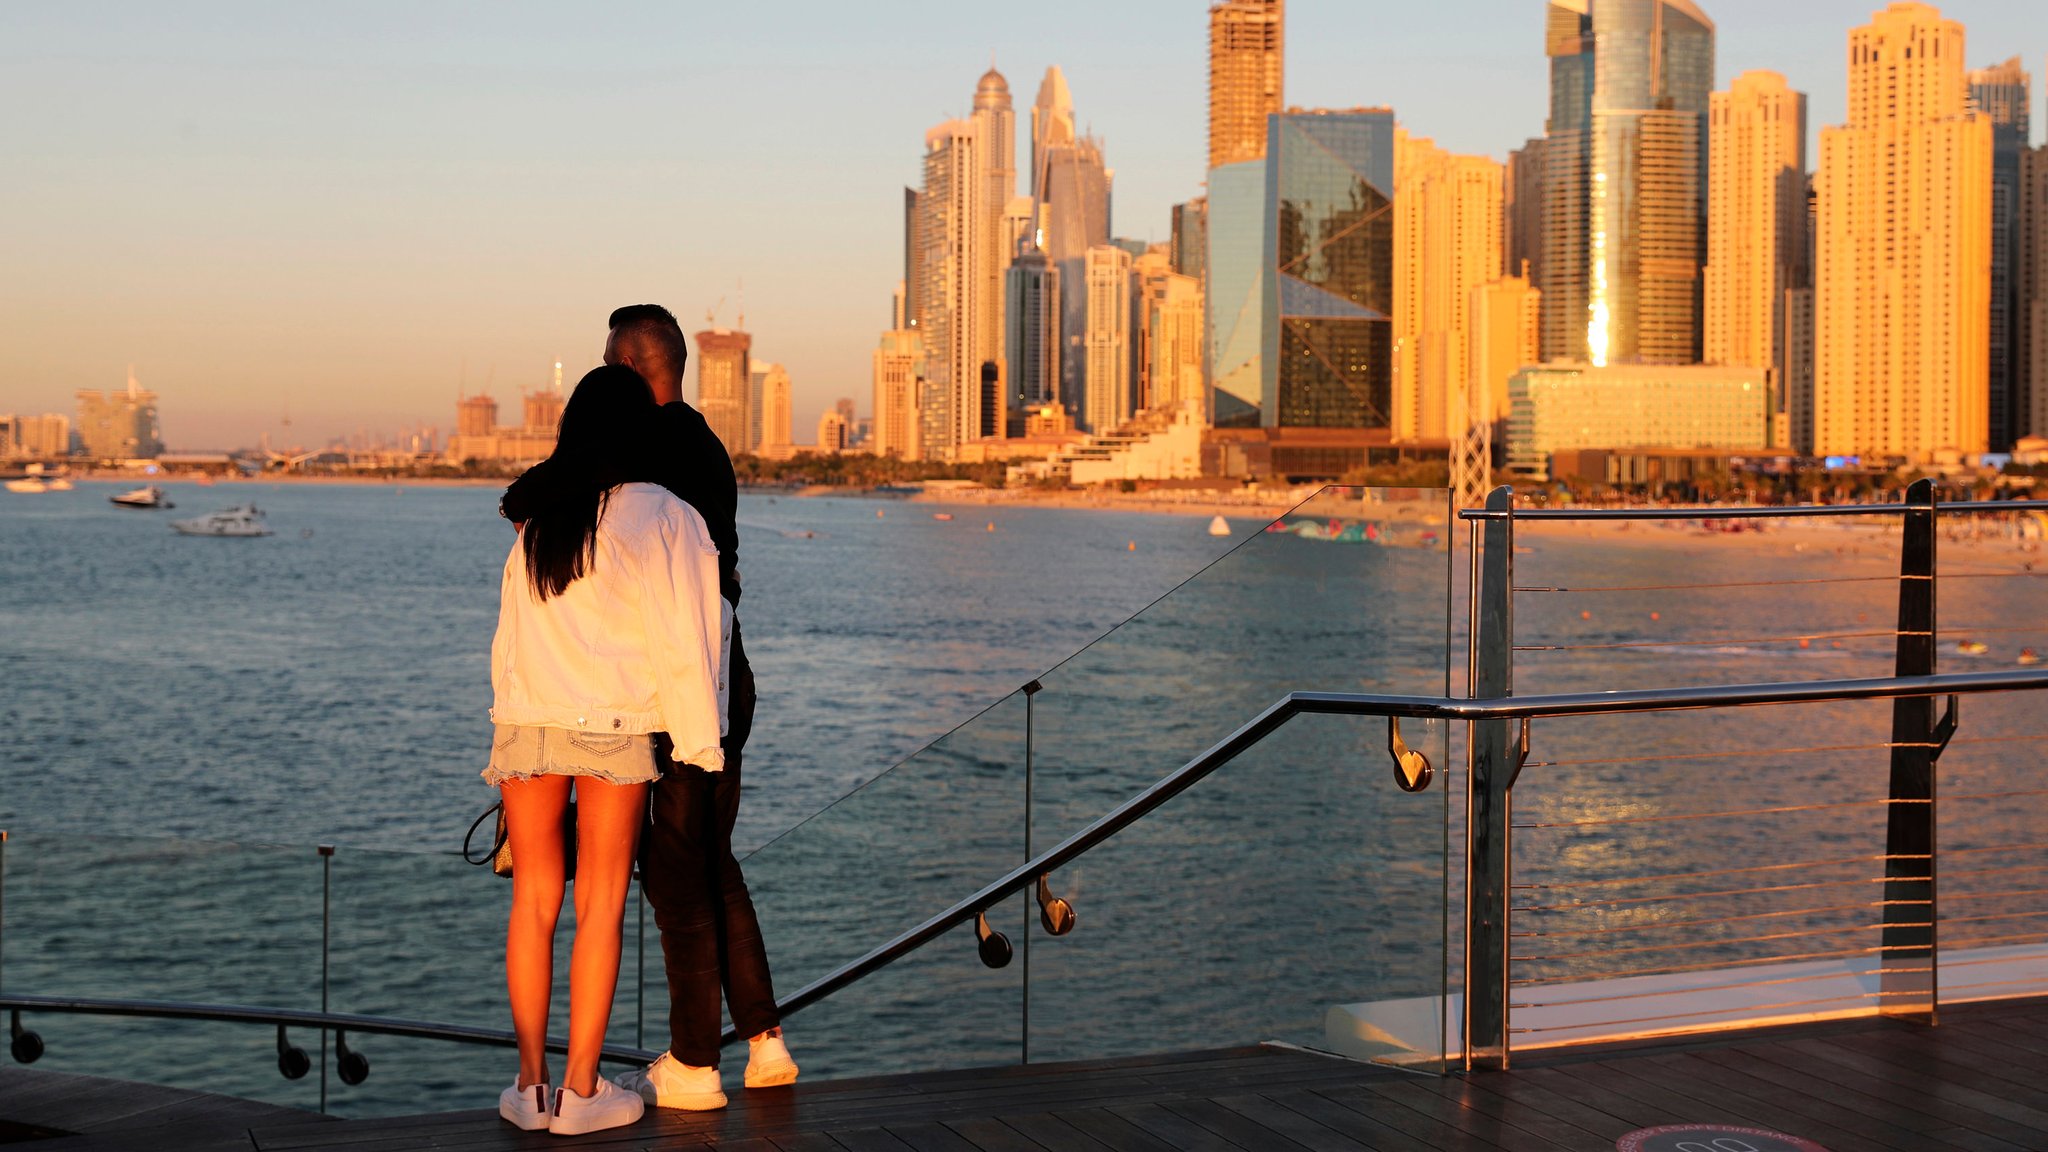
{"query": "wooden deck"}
pixel 1978 1082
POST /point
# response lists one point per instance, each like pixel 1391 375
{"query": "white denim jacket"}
pixel 639 643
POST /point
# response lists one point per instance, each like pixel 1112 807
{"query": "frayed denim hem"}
pixel 495 776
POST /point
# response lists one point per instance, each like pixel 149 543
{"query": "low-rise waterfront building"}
pixel 119 425
pixel 44 437
pixel 1557 408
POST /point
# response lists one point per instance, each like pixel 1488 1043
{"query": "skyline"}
pixel 393 208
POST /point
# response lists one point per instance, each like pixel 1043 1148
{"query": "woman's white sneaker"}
pixel 608 1107
pixel 526 1108
pixel 769 1064
pixel 670 1083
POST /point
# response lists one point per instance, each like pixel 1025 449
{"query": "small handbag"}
pixel 500 858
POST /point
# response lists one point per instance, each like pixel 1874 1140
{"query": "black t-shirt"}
pixel 694 465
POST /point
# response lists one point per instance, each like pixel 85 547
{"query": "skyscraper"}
pixel 1756 227
pixel 952 229
pixel 768 409
pixel 723 374
pixel 2031 315
pixel 1246 74
pixel 1653 74
pixel 1902 284
pixel 1564 259
pixel 1521 210
pixel 1168 330
pixel 2005 95
pixel 1234 293
pixel 899 374
pixel 1447 224
pixel 1052 124
pixel 996 125
pixel 1328 295
pixel 1106 338
pixel 1032 339
pixel 1076 212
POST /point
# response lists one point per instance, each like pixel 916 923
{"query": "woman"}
pixel 609 630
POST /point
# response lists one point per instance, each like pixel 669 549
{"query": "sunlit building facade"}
pixel 898 378
pixel 119 425
pixel 1076 215
pixel 1247 71
pixel 1504 337
pixel 1653 76
pixel 1032 330
pixel 1902 281
pixel 723 374
pixel 1106 339
pixel 2032 311
pixel 1757 241
pixel 1327 299
pixel 1234 294
pixel 1447 242
pixel 44 437
pixel 953 232
pixel 768 409
pixel 1556 408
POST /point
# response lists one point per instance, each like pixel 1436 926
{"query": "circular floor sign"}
pixel 1712 1138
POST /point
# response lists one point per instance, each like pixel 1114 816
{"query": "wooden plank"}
pixel 991 1135
pixel 931 1138
pixel 1177 1131
pixel 1347 1121
pixel 1238 1129
pixel 869 1140
pixel 1831 1110
pixel 1113 1131
pixel 1518 1091
pixel 1922 1071
pixel 806 1142
pixel 1504 1131
pixel 1461 1092
pixel 1052 1132
pixel 1639 1074
pixel 1844 1069
pixel 1430 1132
pixel 1295 1126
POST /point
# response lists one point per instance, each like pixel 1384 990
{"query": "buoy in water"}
pixel 879 513
pixel 1585 615
pixel 1219 527
pixel 1131 547
pixel 1805 643
pixel 991 525
pixel 1656 615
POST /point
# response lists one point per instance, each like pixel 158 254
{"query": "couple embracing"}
pixel 617 675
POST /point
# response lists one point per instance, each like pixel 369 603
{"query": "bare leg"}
pixel 608 820
pixel 533 825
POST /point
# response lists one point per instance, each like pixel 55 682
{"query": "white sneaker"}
pixel 526 1108
pixel 768 1061
pixel 670 1083
pixel 608 1107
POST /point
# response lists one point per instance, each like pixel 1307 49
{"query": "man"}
pixel 710 937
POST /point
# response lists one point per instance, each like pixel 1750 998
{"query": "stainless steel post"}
pixel 326 880
pixel 1495 760
pixel 1024 1018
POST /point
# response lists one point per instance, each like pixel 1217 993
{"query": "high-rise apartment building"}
pixel 1327 300
pixel 1247 39
pixel 1902 285
pixel 996 126
pixel 1032 337
pixel 911 304
pixel 1052 125
pixel 1076 212
pixel 1447 241
pixel 1107 345
pixel 2031 315
pixel 899 377
pixel 1505 336
pixel 832 433
pixel 1190 243
pixel 1169 330
pixel 1653 76
pixel 2005 96
pixel 1521 210
pixel 723 373
pixel 1563 258
pixel 955 282
pixel 120 425
pixel 1756 228
pixel 44 437
pixel 768 410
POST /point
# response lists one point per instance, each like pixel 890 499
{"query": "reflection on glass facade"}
pixel 1236 224
pixel 1564 261
pixel 1653 79
pixel 1329 291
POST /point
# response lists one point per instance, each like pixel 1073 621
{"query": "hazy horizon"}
pixel 344 214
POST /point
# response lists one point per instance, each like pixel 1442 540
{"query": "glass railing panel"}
pixel 1271 894
pixel 139 919
pixel 1993 876
pixel 900 849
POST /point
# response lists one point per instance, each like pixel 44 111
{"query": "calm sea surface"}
pixel 182 720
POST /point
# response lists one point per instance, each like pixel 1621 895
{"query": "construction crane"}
pixel 711 313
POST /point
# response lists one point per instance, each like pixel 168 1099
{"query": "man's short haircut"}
pixel 655 324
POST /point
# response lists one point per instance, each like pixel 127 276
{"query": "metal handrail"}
pixel 1750 511
pixel 298 1018
pixel 1393 707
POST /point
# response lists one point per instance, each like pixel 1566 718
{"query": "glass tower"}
pixel 2005 94
pixel 1653 80
pixel 1562 261
pixel 1236 246
pixel 1328 293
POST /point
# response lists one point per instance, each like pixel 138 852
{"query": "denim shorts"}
pixel 522 752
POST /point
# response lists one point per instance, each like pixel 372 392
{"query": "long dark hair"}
pixel 605 440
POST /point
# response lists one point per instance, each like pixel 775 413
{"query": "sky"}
pixel 343 215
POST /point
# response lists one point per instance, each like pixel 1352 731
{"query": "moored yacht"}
pixel 243 520
pixel 147 496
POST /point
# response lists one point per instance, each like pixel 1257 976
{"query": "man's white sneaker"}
pixel 526 1108
pixel 768 1061
pixel 608 1107
pixel 670 1083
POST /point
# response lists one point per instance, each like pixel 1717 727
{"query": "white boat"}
pixel 59 484
pixel 147 496
pixel 243 520
pixel 1219 527
pixel 28 484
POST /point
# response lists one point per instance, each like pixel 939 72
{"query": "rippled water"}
pixel 183 719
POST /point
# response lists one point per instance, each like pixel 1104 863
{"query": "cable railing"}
pixel 1604 863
